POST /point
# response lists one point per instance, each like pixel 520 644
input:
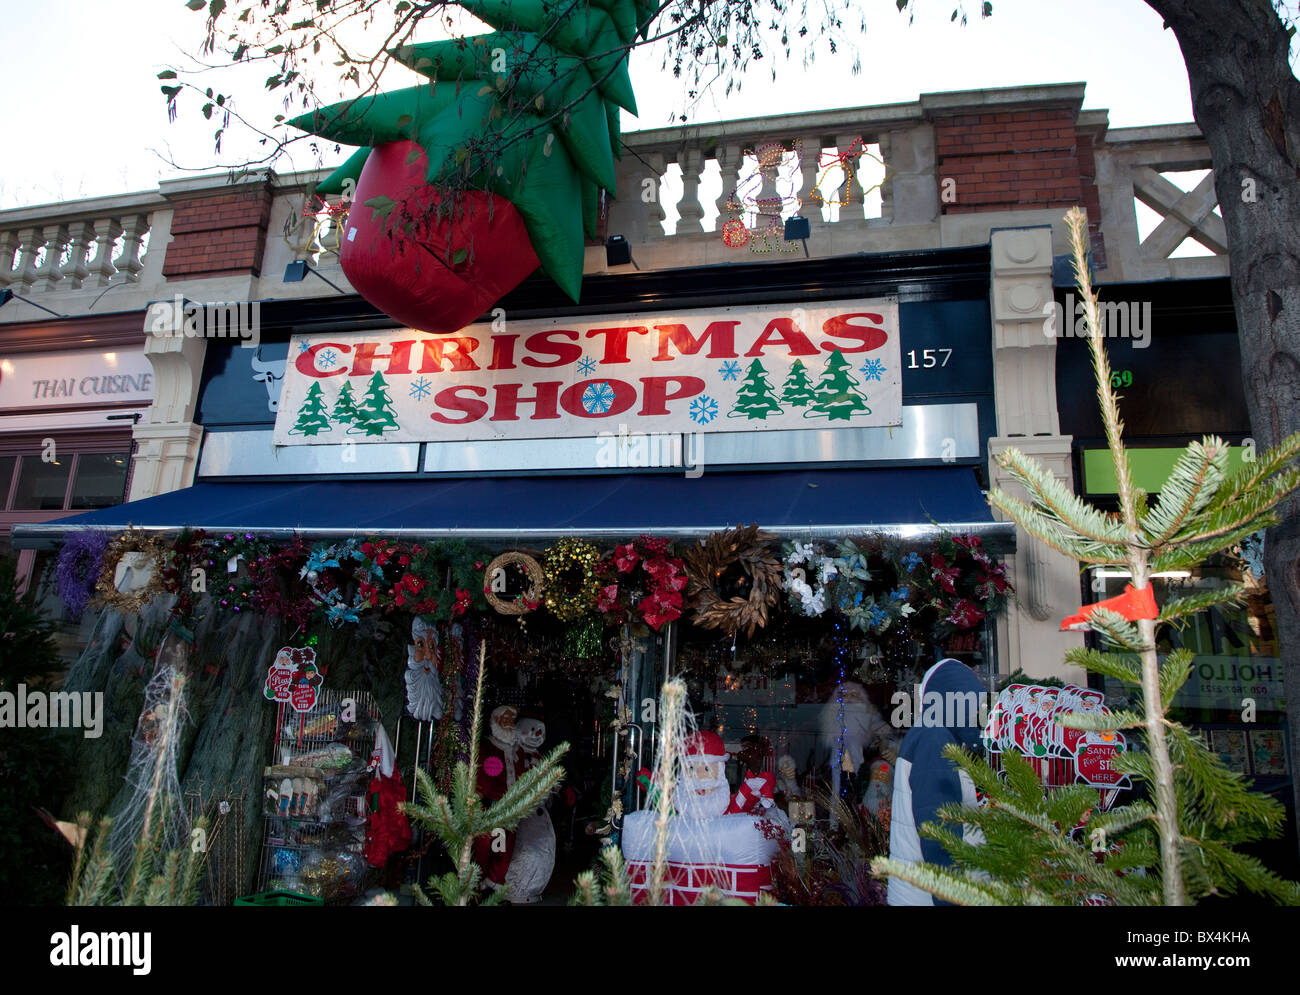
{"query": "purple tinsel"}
pixel 80 562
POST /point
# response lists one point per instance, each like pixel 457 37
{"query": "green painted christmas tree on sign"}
pixel 755 398
pixel 837 397
pixel 797 390
pixel 375 414
pixel 312 419
pixel 345 408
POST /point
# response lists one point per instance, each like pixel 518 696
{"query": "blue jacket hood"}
pixel 952 677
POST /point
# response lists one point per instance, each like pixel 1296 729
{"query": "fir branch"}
pixel 1249 478
pixel 1053 497
pixel 1118 630
pixel 1193 554
pixel 1048 531
pixel 1178 610
pixel 1101 721
pixel 1122 668
pixel 1191 485
pixel 1175 670
pixel 943 883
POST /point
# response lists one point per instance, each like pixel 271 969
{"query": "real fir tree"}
pixel 312 417
pixel 345 407
pixel 1178 847
pixel 797 391
pixel 457 821
pixel 837 396
pixel 755 398
pixel 375 413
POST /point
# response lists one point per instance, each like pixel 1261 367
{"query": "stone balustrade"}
pixel 945 170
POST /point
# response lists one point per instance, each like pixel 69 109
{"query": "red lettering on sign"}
pixel 721 333
pixel 544 401
pixel 564 352
pixel 454 349
pixel 616 341
pixel 398 356
pixel 870 336
pixel 306 361
pixel 624 398
pixel 656 393
pixel 472 408
pixel 503 352
pixel 783 331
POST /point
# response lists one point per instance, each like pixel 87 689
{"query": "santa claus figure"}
pixel 710 842
pixel 534 854
pixel 500 761
pixel 423 689
pixel 864 730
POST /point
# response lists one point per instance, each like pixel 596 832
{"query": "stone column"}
pixel 1024 370
pixel 167 439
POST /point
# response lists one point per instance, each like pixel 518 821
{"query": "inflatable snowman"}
pixel 534 856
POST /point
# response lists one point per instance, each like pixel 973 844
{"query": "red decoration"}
pixel 734 234
pixel 436 274
pixel 1133 604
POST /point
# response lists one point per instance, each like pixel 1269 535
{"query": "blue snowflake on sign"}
pixel 873 369
pixel 420 388
pixel 729 370
pixel 304 345
pixel 597 398
pixel 329 357
pixel 704 409
pixel 586 365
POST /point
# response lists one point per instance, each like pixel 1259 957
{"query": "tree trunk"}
pixel 1246 102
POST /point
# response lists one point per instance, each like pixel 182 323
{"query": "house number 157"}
pixel 929 358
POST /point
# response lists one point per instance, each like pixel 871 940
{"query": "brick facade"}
pixel 1017 160
pixel 219 235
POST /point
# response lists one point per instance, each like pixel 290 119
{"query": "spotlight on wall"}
pixel 618 252
pixel 297 271
pixel 798 229
pixel 7 295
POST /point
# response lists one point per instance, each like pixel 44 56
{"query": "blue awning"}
pixel 910 503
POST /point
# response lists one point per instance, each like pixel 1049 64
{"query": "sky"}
pixel 103 129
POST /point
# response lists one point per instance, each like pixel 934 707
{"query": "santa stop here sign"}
pixel 759 368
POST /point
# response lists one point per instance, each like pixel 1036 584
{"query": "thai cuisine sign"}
pixel 776 367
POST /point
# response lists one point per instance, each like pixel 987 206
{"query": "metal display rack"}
pixel 314 797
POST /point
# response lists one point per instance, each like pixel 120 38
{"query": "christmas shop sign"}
pixel 826 365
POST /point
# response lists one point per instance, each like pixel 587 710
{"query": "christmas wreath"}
pixel 640 576
pixel 960 582
pixel 528 599
pixel 155 552
pixel 710 569
pixel 807 573
pixel 442 578
pixel 81 560
pixel 571 587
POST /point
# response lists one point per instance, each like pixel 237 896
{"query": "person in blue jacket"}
pixel 924 779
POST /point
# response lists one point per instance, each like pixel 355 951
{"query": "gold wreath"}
pixel 106 591
pixel 707 561
pixel 571 605
pixel 533 593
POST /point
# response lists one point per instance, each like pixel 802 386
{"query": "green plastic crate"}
pixel 278 898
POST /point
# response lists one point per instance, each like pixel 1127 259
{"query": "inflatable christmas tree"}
pixel 465 184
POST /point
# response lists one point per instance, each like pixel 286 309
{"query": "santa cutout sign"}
pixel 294 678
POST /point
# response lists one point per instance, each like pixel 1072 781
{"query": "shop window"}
pixel 100 480
pixel 42 486
pixel 7 465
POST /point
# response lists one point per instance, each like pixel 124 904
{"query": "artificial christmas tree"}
pixel 837 396
pixel 1183 844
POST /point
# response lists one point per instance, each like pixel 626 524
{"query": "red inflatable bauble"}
pixel 435 274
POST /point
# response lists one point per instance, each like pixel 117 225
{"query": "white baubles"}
pixel 423 689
